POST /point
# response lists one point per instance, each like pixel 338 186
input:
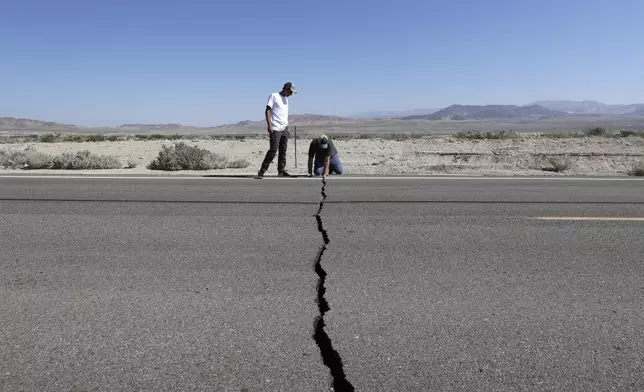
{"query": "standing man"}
pixel 326 157
pixel 277 122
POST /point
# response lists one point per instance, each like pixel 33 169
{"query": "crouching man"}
pixel 325 155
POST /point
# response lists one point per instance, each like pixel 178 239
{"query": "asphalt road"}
pixel 162 284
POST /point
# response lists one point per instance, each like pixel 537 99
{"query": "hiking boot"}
pixel 259 176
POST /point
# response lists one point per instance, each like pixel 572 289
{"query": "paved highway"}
pixel 449 284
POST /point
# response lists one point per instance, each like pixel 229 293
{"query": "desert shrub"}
pixel 560 135
pixel 638 170
pixel 72 138
pixel 95 138
pixel 24 160
pixel 478 135
pixel 85 160
pixel 157 136
pixel 32 160
pixel 10 139
pixel 181 156
pixel 131 164
pixel 632 133
pixel 598 131
pixel 47 138
pixel 558 164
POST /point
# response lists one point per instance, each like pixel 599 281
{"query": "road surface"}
pixel 449 284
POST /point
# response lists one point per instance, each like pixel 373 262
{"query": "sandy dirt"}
pixel 527 155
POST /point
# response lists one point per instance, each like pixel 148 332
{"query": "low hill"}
pixel 486 112
pixel 589 107
pixel 318 119
pixel 387 114
pixel 300 119
pixel 154 127
pixel 637 108
pixel 639 112
pixel 13 123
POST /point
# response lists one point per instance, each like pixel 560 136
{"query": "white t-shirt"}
pixel 279 111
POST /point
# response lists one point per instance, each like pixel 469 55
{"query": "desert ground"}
pixel 523 154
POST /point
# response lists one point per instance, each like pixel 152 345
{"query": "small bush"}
pixel 638 170
pixel 598 131
pixel 32 160
pixel 632 133
pixel 47 138
pixel 558 164
pixel 157 136
pixel 95 138
pixel 10 139
pixel 560 135
pixel 180 156
pixel 24 160
pixel 85 160
pixel 73 138
pixel 131 164
pixel 478 135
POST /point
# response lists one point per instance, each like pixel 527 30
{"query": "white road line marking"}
pixel 591 218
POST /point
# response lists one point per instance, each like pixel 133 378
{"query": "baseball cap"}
pixel 290 86
pixel 324 141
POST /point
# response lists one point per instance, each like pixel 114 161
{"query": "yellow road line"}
pixel 591 218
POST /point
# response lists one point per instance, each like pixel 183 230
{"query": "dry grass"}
pixel 32 160
pixel 85 160
pixel 478 135
pixel 85 138
pixel 599 132
pixel 181 156
pixel 561 135
pixel 303 135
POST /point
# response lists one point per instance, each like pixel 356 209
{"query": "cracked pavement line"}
pixel 330 357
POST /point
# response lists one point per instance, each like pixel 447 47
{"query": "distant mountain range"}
pixel 590 107
pixel 153 127
pixel 486 112
pixel 317 119
pixel 386 114
pixel 536 110
pixel 27 124
pixel 22 124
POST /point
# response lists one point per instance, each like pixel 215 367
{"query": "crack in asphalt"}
pixel 330 357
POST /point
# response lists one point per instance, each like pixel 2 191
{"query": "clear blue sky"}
pixel 213 62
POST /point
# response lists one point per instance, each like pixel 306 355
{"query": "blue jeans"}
pixel 335 166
